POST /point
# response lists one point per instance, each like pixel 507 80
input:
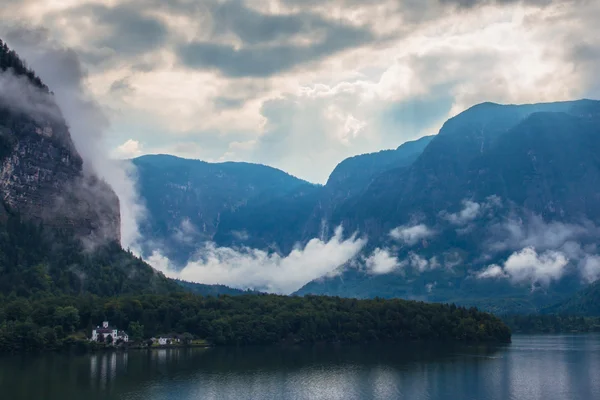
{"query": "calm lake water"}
pixel 532 367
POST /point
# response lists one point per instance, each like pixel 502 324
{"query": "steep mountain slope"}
pixel 496 181
pixel 450 168
pixel 188 201
pixel 59 226
pixel 354 174
pixel 41 173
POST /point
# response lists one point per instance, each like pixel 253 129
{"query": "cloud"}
pixel 123 29
pixel 60 68
pixel 17 94
pixel 430 286
pixel 470 211
pixel 270 272
pixel 534 232
pixel 186 232
pixel 492 271
pixel 381 262
pixel 345 73
pixel 268 43
pixel 130 149
pixel 528 266
pixel 421 264
pixel 410 235
pixel 590 268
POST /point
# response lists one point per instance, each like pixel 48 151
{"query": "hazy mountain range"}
pixel 499 209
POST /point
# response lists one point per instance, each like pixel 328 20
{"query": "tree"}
pixel 137 331
pixel 109 339
pixel 187 338
pixel 67 317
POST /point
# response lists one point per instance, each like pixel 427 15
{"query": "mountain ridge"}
pixel 459 188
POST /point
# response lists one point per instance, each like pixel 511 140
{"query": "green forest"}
pixel 57 322
pixel 553 323
pixel 53 292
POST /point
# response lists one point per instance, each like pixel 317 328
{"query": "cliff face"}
pixel 41 172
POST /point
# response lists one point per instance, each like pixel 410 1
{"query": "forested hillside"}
pixel 51 323
pixel 37 261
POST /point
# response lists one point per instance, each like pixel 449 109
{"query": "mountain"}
pixel 585 302
pixel 41 173
pixel 354 174
pixel 59 225
pixel 476 214
pixel 62 268
pixel 240 204
pixel 494 182
pixel 467 160
pixel 191 201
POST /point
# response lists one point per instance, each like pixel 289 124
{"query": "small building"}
pixel 166 340
pixel 106 330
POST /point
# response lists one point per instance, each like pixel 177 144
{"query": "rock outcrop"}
pixel 41 173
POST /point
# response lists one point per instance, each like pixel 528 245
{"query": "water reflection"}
pixel 533 367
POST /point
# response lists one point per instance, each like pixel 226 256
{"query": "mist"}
pixel 60 69
pixel 248 268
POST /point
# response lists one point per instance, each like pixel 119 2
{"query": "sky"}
pixel 302 84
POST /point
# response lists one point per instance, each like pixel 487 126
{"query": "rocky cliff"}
pixel 41 172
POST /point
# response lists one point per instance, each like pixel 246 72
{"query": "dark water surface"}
pixel 532 367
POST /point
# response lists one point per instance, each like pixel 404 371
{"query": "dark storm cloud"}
pixel 253 27
pixel 58 66
pixel 130 31
pixel 267 46
pixel 259 61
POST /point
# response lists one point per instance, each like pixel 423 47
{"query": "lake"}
pixel 544 367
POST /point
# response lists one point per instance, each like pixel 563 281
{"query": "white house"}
pixel 108 330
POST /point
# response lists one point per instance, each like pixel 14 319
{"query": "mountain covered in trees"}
pixel 63 270
pixel 499 209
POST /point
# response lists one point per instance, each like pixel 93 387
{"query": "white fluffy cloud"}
pixel 590 268
pixel 130 149
pixel 270 272
pixel 381 262
pixel 422 264
pixel 529 266
pixel 411 234
pixel 492 271
pixel 470 211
